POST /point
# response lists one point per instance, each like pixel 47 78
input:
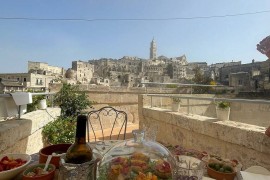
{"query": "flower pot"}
pixel 175 106
pixel 42 104
pixel 223 114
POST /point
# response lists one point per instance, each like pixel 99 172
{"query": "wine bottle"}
pixel 79 152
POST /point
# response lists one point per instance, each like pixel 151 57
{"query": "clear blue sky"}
pixel 61 42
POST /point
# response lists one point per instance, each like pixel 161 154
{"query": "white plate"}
pixel 258 170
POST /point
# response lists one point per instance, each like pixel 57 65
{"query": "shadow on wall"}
pixel 14 135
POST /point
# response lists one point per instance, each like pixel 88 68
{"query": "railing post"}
pixel 151 100
pixel 188 110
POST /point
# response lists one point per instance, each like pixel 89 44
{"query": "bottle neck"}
pixel 80 140
pixel 81 129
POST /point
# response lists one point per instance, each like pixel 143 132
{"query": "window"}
pixel 24 79
pixel 18 79
pixel 240 82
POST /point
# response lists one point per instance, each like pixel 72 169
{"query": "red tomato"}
pixel 7 164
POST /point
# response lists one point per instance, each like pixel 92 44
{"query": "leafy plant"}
pixel 71 100
pixel 34 105
pixel 176 99
pixel 171 86
pixel 61 130
pixel 223 105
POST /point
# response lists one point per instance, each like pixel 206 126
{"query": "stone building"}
pixel 31 81
pixel 11 86
pixel 240 80
pixel 83 70
pixel 225 72
pixel 44 68
pixel 153 50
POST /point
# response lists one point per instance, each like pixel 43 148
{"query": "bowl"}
pixel 9 174
pixel 220 175
pixel 56 148
pixel 48 176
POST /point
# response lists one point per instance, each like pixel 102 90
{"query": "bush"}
pixel 61 130
pixel 71 100
pixel 223 105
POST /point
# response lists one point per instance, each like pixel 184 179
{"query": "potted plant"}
pixel 223 110
pixel 176 103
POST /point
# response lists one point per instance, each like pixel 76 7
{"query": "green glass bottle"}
pixel 80 152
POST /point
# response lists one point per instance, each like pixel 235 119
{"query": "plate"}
pixel 258 170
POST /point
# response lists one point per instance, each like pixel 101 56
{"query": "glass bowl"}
pixel 137 159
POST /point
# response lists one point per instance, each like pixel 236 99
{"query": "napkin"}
pixel 253 176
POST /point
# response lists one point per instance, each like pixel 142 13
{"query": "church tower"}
pixel 153 50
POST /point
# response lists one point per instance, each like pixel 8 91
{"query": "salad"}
pixel 138 166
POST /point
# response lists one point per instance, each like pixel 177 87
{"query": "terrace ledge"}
pixel 225 138
pixel 24 135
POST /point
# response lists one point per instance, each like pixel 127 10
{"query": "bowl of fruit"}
pixel 12 164
pixel 221 171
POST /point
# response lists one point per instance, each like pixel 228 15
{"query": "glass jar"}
pixel 189 168
pixel 84 171
pixel 137 159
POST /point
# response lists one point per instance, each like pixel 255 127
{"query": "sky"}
pixel 58 43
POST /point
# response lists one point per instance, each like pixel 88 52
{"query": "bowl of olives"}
pixel 221 171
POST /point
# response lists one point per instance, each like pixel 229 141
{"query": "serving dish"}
pixel 58 149
pixel 36 172
pixel 13 164
pixel 137 159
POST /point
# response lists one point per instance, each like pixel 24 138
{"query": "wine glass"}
pixel 150 131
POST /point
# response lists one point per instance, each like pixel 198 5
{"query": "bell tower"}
pixel 153 49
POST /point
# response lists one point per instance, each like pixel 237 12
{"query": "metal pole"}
pixel 188 110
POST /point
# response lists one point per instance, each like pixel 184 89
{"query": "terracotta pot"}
pixel 56 148
pixel 267 131
pixel 220 175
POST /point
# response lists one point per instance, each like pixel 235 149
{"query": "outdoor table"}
pixel 98 147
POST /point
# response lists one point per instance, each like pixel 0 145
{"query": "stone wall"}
pixel 24 135
pixel 229 139
pixel 250 113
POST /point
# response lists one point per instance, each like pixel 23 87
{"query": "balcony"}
pixel 195 126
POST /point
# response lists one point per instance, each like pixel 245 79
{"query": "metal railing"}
pixel 50 97
pixel 252 101
pixel 190 86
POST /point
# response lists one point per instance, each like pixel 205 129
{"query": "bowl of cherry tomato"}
pixel 12 164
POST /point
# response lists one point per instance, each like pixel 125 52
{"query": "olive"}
pixel 221 169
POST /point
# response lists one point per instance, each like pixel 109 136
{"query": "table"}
pixel 98 148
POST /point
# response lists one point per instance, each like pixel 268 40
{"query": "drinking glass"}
pixel 150 131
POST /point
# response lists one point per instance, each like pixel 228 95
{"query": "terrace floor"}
pixel 130 127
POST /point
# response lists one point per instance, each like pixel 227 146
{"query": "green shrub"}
pixel 61 130
pixel 71 100
pixel 171 86
pixel 223 105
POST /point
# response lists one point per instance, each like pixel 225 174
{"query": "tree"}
pixel 199 78
pixel 169 70
pixel 71 100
